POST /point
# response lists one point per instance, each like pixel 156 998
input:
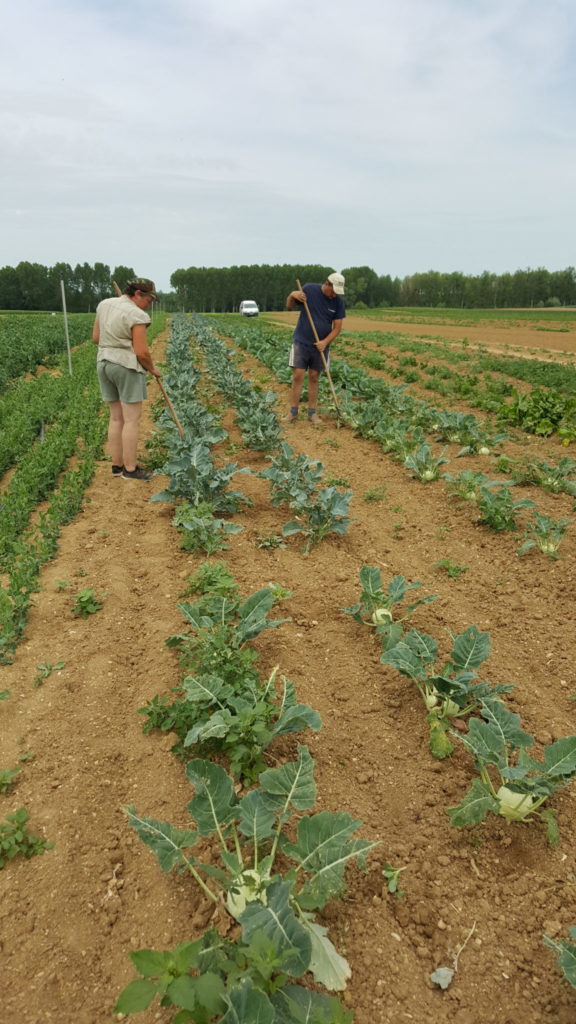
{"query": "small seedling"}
pixel 80 572
pixel 45 669
pixel 280 593
pixel 336 481
pixel 4 694
pixel 331 442
pixel 7 776
pixel 391 876
pixel 269 541
pixel 87 603
pixel 15 838
pixel 452 569
pixel 375 494
pixel 62 584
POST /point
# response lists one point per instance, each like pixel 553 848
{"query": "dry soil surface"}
pixel 70 917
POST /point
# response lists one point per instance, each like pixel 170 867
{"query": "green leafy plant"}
pixel 423 465
pixel 377 607
pixel 87 603
pixel 248 833
pixel 214 578
pixel 511 783
pixel 200 530
pixel 566 953
pixel 7 778
pixel 220 628
pixel 216 980
pixel 293 478
pixel 498 509
pixel 45 669
pixel 466 485
pixel 376 494
pixel 545 534
pixel 238 719
pixel 326 513
pixel 391 875
pixel 452 569
pixel 450 690
pixel 269 541
pixel 16 839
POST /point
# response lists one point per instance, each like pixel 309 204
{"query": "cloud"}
pixel 261 130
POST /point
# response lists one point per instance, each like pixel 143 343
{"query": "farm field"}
pixel 477 898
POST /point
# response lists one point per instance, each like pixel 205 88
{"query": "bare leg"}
pixel 131 412
pixel 115 426
pixel 313 378
pixel 297 382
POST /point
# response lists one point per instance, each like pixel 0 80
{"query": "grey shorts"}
pixel 119 384
pixel 303 357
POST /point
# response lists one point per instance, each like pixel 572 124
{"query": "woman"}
pixel 123 359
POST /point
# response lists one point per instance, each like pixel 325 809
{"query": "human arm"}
pixel 141 350
pixel 295 299
pixel 96 332
pixel 336 328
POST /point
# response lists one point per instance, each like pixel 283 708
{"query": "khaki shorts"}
pixel 119 384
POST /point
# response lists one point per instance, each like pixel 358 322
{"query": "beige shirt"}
pixel 116 318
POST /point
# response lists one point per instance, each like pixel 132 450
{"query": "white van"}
pixel 249 308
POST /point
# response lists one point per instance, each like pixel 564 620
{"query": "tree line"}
pixel 33 286
pixel 30 286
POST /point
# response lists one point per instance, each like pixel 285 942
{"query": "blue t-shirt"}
pixel 324 311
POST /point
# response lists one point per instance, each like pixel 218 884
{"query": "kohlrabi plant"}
pixel 566 953
pixel 510 782
pixel 248 833
pixel 466 485
pixel 378 607
pixel 195 479
pixel 545 534
pixel 293 478
pixel 423 465
pixel 450 690
pixel 326 512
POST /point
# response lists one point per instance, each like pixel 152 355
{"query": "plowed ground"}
pixel 69 917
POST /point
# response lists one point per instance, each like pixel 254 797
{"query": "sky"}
pixel 405 136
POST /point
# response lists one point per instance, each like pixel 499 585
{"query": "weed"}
pixel 375 494
pixel 45 669
pixel 62 584
pixel 7 776
pixel 391 876
pixel 331 442
pixel 337 481
pixel 15 838
pixel 87 603
pixel 269 541
pixel 452 569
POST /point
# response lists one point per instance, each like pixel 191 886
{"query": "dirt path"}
pixel 495 337
pixel 69 918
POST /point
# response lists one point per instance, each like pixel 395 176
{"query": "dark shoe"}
pixel 136 474
pixel 117 470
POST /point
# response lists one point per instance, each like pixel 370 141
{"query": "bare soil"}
pixel 69 918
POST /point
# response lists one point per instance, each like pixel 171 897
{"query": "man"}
pixel 327 310
pixel 123 359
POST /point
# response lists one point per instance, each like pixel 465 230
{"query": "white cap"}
pixel 337 282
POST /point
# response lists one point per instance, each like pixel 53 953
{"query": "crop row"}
pixel 27 341
pixel 224 709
